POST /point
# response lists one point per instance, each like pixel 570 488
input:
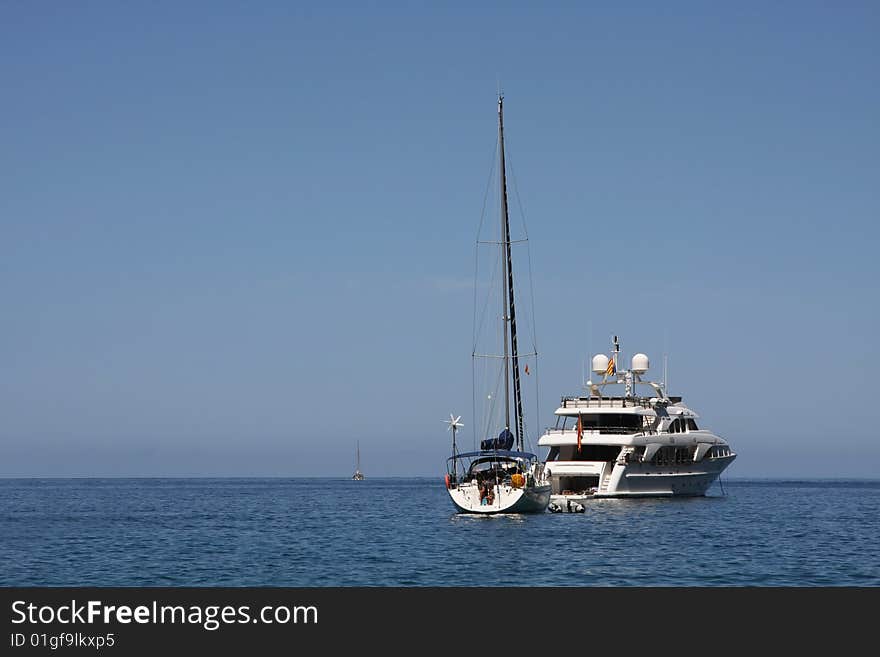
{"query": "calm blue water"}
pixel 402 532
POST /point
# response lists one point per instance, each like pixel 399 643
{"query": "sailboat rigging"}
pixel 496 479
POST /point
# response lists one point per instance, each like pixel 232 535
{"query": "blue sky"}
pixel 236 238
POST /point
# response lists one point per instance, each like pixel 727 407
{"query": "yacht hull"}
pixel 644 480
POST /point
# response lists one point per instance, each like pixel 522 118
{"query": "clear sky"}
pixel 237 237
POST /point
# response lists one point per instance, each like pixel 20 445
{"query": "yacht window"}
pixel 692 425
pixel 553 454
pixel 663 456
pixel 590 453
pixel 610 422
pixel 669 455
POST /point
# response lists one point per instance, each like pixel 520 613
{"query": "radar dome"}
pixel 640 364
pixel 600 363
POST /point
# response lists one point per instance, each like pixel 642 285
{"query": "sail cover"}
pixel 503 441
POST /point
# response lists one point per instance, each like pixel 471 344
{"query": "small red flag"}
pixel 527 368
pixel 580 431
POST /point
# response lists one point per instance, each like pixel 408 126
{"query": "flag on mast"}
pixel 610 369
pixel 580 431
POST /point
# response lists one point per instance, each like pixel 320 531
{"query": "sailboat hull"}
pixel 529 499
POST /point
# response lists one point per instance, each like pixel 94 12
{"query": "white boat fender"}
pixel 553 508
pixel 577 508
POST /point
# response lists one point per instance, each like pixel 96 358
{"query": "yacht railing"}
pixel 606 402
pixel 605 430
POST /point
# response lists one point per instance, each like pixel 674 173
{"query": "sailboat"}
pixel 358 475
pixel 497 478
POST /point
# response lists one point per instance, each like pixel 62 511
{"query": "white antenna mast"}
pixel 665 362
pixel 588 382
pixel 616 355
pixel 665 375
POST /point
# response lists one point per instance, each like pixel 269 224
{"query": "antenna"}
pixel 665 375
pixel 616 354
pixel 590 352
pixel 665 362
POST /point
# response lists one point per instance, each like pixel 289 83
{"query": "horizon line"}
pixel 790 478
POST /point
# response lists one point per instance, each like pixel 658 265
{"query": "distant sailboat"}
pixel 358 475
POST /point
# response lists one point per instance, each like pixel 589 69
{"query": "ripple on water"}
pixel 403 532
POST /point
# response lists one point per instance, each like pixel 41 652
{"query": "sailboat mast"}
pixel 509 304
pixel 504 262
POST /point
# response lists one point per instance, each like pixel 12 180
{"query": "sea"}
pixel 404 532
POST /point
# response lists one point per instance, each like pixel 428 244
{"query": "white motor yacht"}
pixel 628 445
